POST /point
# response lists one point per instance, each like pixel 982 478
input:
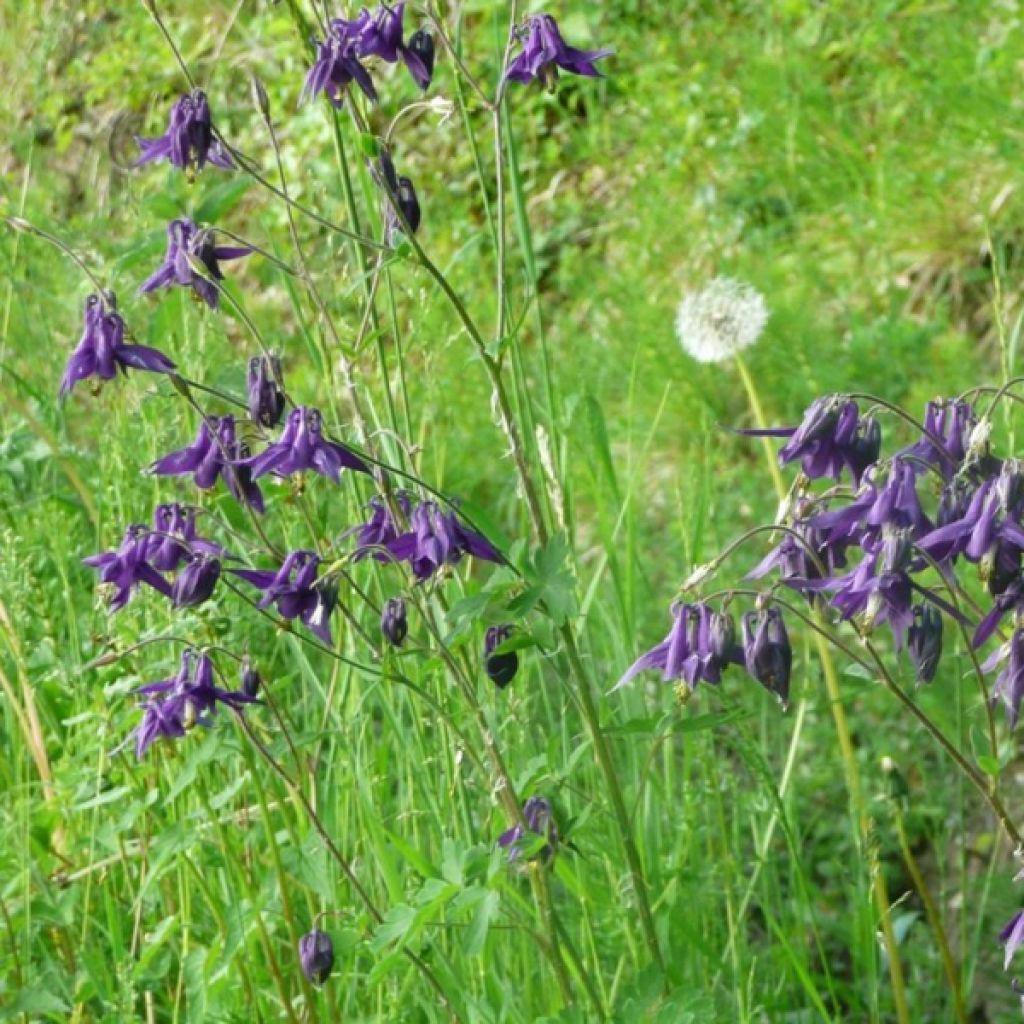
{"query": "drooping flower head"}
pixel 189 142
pixel 767 652
pixel 540 820
pixel 421 46
pixel 437 538
pixel 950 421
pixel 501 668
pixel 394 622
pixel 1013 937
pixel 296 592
pixel 337 63
pixel 192 261
pixel 1009 685
pixel 175 705
pixel 381 35
pixel 174 538
pixel 102 350
pixel 720 320
pixel 302 446
pixel 316 956
pixel 216 452
pixel 251 679
pixel 266 399
pixel 544 52
pixel 195 583
pixel 127 567
pixel 401 192
pixel 924 641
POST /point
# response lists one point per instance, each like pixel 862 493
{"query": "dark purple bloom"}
pixel 192 261
pixel 1009 685
pixel 501 668
pixel 296 592
pixel 540 820
pixel 380 36
pixel 102 351
pixel 400 192
pixel 805 556
pixel 173 538
pixel 316 956
pixel 251 679
pixel 381 528
pixel 215 452
pixel 951 421
pixel 394 623
pixel 699 646
pixel 337 63
pixel 188 142
pixel 266 399
pixel 127 567
pixel 545 51
pixel 420 48
pixel 924 642
pixel 302 446
pixel 767 652
pixel 194 583
pixel 436 539
pixel 175 705
pixel 1013 936
pixel 1010 600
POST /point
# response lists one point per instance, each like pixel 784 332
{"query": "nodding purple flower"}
pixel 192 261
pixel 540 820
pixel 698 647
pixel 266 399
pixel 381 528
pixel 436 539
pixel 337 64
pixel 188 143
pixel 296 592
pixel 250 676
pixel 394 622
pixel 501 668
pixel 174 539
pixel 767 652
pixel 1010 600
pixel 195 583
pixel 401 192
pixel 127 567
pixel 545 51
pixel 380 35
pixel 805 552
pixel 102 351
pixel 216 452
pixel 175 705
pixel 951 421
pixel 1013 936
pixel 302 446
pixel 316 956
pixel 924 642
pixel 1009 684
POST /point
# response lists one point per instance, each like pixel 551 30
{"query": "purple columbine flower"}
pixel 381 528
pixel 175 705
pixel 436 539
pixel 767 652
pixel 401 192
pixel 1013 936
pixel 951 421
pixel 250 677
pixel 216 452
pixel 545 51
pixel 127 567
pixel 380 36
pixel 173 538
pixel 303 446
pixel 337 63
pixel 421 47
pixel 699 646
pixel 540 820
pixel 192 261
pixel 188 143
pixel 1009 684
pixel 266 399
pixel 394 622
pixel 924 642
pixel 316 956
pixel 804 557
pixel 296 592
pixel 102 351
pixel 195 583
pixel 501 668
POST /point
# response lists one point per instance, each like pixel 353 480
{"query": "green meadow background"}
pixel 858 162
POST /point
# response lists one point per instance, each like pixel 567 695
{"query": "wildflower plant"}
pixel 293 507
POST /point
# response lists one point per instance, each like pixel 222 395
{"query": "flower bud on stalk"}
pixel 316 956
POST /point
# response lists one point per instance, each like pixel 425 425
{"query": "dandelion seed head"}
pixel 723 318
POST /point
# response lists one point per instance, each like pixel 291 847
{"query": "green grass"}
pixel 856 162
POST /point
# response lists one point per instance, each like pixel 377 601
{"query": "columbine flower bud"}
pixel 501 668
pixel 251 680
pixel 924 642
pixel 266 399
pixel 767 652
pixel 259 96
pixel 394 623
pixel 195 582
pixel 316 956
